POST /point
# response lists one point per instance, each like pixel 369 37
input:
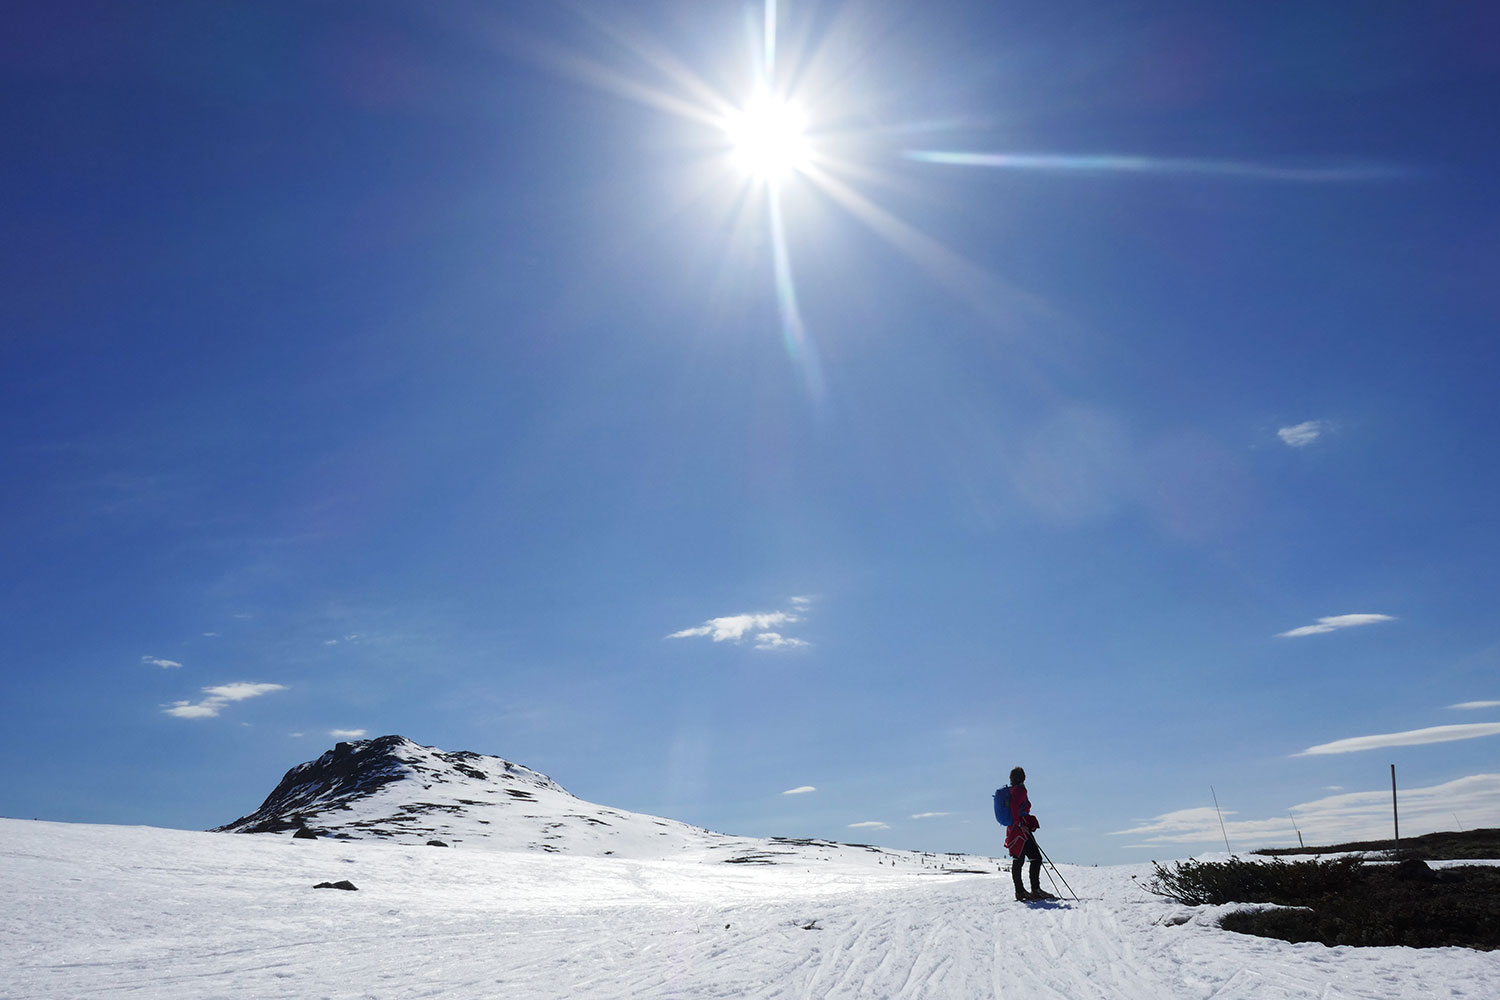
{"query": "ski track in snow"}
pixel 95 911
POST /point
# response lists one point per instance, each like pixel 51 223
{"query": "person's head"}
pixel 1017 776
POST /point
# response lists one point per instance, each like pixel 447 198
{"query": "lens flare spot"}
pixel 767 137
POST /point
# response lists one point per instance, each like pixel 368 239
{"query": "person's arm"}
pixel 1028 822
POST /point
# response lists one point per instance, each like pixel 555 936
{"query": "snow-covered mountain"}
pixel 398 791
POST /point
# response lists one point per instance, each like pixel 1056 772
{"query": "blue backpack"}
pixel 1002 806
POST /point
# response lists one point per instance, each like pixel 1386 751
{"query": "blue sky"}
pixel 1104 389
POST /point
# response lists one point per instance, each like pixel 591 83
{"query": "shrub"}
pixel 1290 883
pixel 1343 902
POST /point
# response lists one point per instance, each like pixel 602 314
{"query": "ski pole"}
pixel 1052 866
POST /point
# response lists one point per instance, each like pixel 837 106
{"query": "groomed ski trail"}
pixel 172 915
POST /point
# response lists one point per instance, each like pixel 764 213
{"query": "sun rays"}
pixel 1114 163
pixel 786 128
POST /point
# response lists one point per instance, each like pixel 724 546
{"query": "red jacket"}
pixel 1022 821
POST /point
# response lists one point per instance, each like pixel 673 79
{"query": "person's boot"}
pixel 1037 892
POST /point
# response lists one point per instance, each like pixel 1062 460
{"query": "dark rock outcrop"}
pixel 348 770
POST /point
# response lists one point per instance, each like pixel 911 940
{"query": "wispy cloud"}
pixel 1335 819
pixel 1180 826
pixel 157 661
pixel 346 734
pixel 1303 434
pixel 1333 624
pixel 217 697
pixel 1410 738
pixel 354 637
pixel 775 640
pixel 732 628
pixel 799 790
pixel 760 626
pixel 1331 172
pixel 1466 705
pixel 869 824
pixel 932 815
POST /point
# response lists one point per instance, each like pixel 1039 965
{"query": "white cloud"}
pixel 760 625
pixel 1183 825
pixel 1303 434
pixel 932 815
pixel 1333 624
pixel 296 736
pixel 1336 819
pixel 240 690
pixel 732 628
pixel 799 790
pixel 1410 738
pixel 869 824
pixel 1465 705
pixel 210 635
pixel 775 640
pixel 217 697
pixel 157 661
pixel 346 734
pixel 187 710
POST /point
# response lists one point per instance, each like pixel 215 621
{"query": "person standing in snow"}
pixel 1019 841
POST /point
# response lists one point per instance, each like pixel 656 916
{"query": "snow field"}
pixel 95 911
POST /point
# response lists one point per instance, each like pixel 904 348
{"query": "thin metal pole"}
pixel 1395 815
pixel 1225 832
pixel 1052 866
pixel 1299 832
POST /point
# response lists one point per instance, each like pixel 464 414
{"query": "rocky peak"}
pixel 354 770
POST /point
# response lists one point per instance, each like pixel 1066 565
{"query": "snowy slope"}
pixel 96 911
pixel 395 790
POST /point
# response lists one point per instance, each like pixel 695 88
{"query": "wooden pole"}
pixel 1395 814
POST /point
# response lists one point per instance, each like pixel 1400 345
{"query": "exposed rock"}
pixel 1415 870
pixel 303 833
pixel 348 769
pixel 341 884
pixel 392 790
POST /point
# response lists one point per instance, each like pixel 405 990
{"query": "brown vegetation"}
pixel 1348 901
pixel 1469 845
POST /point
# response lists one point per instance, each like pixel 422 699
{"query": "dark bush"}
pixel 1235 881
pixel 1345 902
pixel 1468 845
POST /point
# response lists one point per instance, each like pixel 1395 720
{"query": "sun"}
pixel 767 138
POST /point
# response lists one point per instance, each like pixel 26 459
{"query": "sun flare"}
pixel 767 138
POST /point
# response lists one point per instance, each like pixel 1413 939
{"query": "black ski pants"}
pixel 1035 854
